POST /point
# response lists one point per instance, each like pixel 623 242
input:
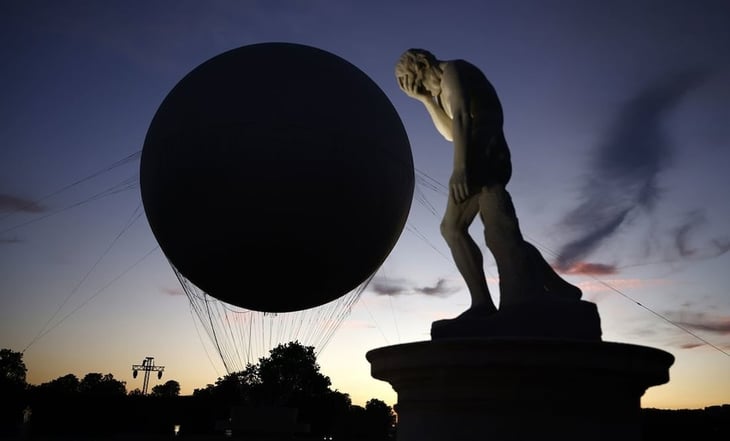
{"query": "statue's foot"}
pixel 564 291
pixel 477 312
pixel 547 318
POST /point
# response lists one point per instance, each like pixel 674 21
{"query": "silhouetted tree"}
pixel 62 386
pixel 50 418
pixel 136 392
pixel 67 407
pixel 233 388
pixel 12 368
pixel 12 390
pixel 171 388
pixel 696 424
pixel 379 418
pixel 329 413
pixel 354 426
pixel 97 384
pixel 289 376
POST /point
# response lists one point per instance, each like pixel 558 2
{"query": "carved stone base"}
pixel 519 389
pixel 565 320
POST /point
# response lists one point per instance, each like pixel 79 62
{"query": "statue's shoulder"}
pixel 463 70
pixel 465 73
pixel 456 71
pixel 461 65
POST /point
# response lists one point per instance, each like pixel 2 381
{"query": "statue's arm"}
pixel 440 119
pixel 416 91
pixel 456 92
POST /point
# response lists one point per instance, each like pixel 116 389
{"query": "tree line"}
pixel 98 405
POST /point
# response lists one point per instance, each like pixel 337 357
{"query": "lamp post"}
pixel 147 366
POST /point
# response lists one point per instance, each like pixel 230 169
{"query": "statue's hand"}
pixel 458 186
pixel 413 88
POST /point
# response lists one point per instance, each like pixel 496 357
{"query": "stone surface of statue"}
pixel 536 368
pixel 466 110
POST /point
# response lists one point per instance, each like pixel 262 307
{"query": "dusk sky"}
pixel 617 114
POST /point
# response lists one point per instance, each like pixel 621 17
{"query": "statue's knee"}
pixel 450 233
pixel 446 232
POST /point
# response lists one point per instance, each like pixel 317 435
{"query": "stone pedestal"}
pixel 555 319
pixel 496 388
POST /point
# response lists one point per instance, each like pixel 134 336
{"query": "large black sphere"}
pixel 276 177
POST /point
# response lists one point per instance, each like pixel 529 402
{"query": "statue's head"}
pixel 417 63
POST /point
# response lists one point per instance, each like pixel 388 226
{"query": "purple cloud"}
pixel 686 248
pixel 622 180
pixel 10 203
pixel 395 287
pixel 704 322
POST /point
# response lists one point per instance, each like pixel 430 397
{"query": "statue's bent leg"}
pixel 467 256
pixel 520 280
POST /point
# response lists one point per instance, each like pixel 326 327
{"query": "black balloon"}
pixel 276 177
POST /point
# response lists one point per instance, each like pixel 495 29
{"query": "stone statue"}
pixel 465 109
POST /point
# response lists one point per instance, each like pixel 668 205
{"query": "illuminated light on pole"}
pixel 147 366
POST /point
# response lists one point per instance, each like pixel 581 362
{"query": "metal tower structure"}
pixel 147 366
